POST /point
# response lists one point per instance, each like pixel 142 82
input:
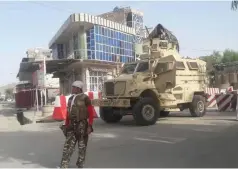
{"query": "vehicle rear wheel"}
pixel 198 106
pixel 164 113
pixel 107 115
pixel 145 112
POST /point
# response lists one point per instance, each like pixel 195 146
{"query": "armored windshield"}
pixel 129 68
pixel 135 67
pixel 143 67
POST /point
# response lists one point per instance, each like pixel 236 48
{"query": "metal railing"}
pixel 82 54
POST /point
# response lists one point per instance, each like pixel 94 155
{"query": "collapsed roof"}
pixel 164 34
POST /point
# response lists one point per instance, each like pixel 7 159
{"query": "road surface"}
pixel 180 141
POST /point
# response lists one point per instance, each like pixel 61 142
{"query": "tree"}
pixel 9 93
pixel 214 58
pixel 234 4
pixel 229 56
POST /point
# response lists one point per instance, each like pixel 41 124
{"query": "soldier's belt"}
pixel 111 102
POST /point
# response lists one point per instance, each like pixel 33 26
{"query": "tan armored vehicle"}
pixel 160 82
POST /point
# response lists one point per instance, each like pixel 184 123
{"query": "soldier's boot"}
pixel 81 154
pixel 80 164
pixel 64 164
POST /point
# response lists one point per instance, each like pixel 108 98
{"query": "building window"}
pixel 96 80
pixel 60 50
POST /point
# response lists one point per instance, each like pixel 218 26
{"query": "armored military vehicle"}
pixel 160 82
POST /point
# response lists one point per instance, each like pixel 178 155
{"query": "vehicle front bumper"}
pixel 120 103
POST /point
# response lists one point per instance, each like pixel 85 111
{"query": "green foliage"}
pixel 228 56
pixel 214 58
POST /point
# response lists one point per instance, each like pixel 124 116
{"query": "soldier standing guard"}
pixel 77 128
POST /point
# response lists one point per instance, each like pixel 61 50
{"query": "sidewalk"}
pixel 8 120
pixel 37 117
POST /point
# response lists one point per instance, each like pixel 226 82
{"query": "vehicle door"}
pixel 164 75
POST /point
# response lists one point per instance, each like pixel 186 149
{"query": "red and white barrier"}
pixel 224 101
pixel 95 95
pixel 218 99
pixel 230 89
pixel 212 103
pixel 212 91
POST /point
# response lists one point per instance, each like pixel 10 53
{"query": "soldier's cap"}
pixel 78 84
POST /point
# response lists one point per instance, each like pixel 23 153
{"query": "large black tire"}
pixel 107 115
pixel 139 114
pixel 164 113
pixel 198 106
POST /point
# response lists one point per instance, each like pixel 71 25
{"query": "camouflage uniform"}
pixel 77 129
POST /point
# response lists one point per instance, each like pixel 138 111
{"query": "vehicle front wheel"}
pixel 198 106
pixel 107 115
pixel 145 112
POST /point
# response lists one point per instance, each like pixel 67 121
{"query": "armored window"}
pixel 163 45
pixel 192 65
pixel 145 49
pixel 143 67
pixel 163 67
pixel 129 68
pixel 154 47
pixel 180 66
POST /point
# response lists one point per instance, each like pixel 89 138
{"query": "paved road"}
pixel 173 142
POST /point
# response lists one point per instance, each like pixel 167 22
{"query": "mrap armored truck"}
pixel 160 82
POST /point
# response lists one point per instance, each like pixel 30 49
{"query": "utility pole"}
pixel 45 81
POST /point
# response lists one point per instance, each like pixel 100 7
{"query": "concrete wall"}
pixel 80 74
pixel 66 81
pixel 52 82
pixel 25 76
pixel 224 80
pixel 39 53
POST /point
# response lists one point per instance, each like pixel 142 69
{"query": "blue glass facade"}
pixel 106 44
pixel 91 43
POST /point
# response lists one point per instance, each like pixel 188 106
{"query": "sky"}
pixel 200 26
